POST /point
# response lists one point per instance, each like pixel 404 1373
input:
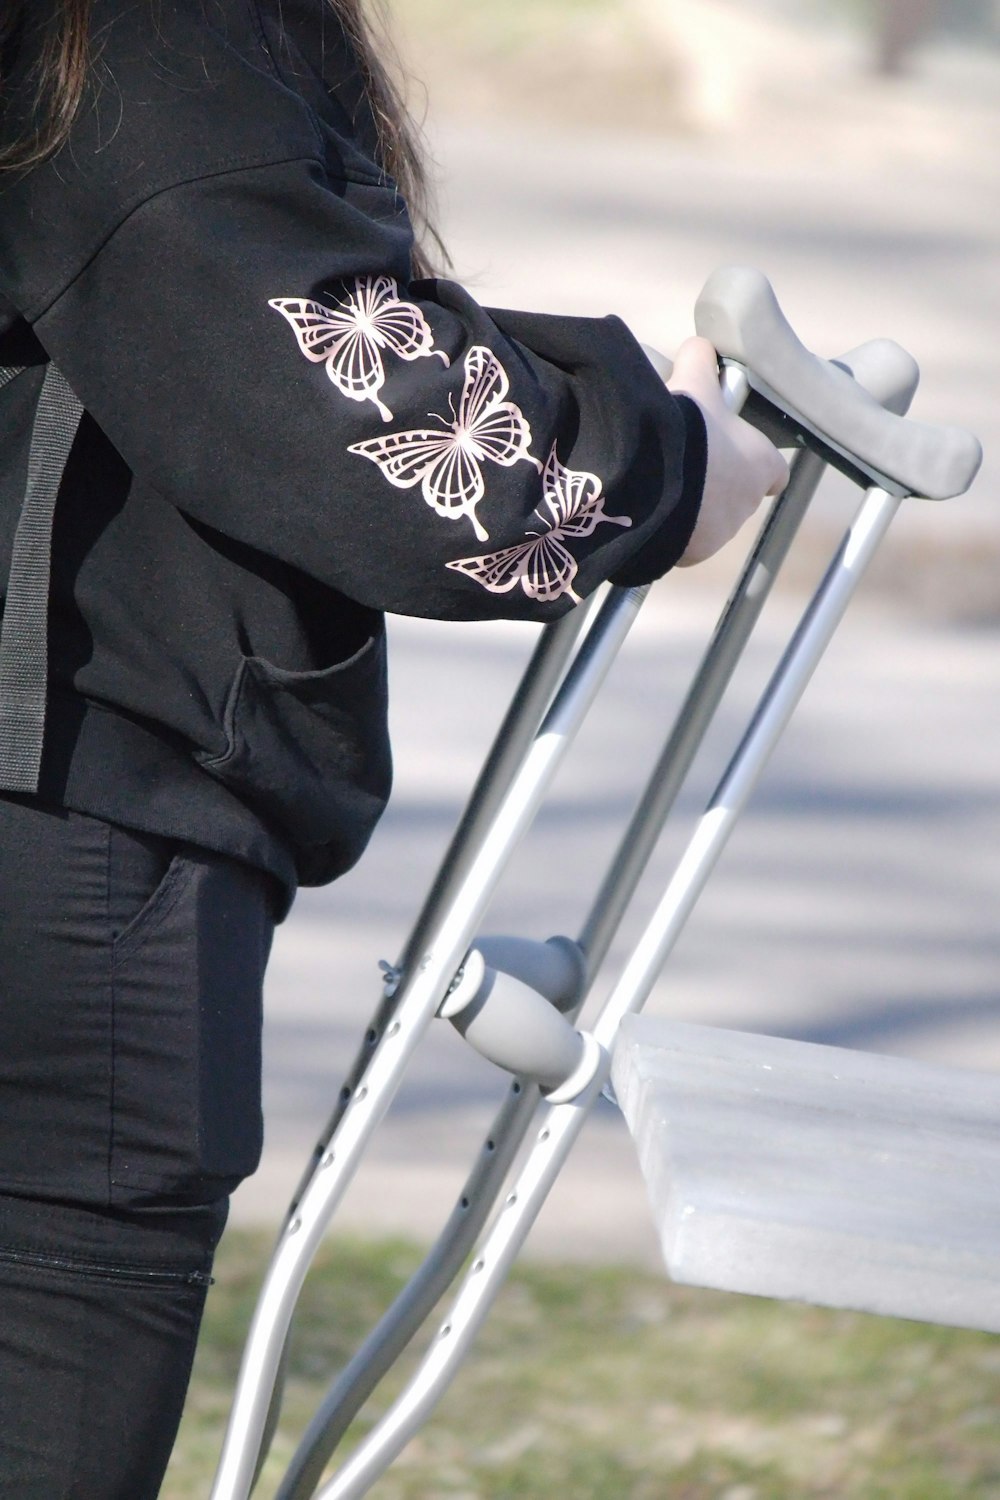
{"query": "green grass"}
pixel 611 1384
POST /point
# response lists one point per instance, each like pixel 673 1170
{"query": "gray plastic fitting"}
pixel 508 1003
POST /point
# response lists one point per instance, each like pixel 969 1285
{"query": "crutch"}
pixel 515 1000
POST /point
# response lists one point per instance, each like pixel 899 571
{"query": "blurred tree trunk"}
pixel 900 26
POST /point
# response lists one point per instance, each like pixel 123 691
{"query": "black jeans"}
pixel 130 1008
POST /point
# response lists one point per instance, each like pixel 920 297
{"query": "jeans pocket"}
pixel 155 909
pixel 310 751
pixel 187 981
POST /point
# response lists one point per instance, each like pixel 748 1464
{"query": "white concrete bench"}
pixel 797 1171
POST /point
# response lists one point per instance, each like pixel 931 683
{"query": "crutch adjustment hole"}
pixel 371 1036
pixel 511 1200
pixel 480 1265
pixel 491 1145
pixel 328 1159
pixel 393 1029
pixel 463 1202
pixel 515 1087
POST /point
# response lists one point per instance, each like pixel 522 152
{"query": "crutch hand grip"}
pixel 739 313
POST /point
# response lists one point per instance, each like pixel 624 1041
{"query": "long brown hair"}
pixel 64 67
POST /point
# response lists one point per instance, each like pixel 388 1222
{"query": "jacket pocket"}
pixel 309 751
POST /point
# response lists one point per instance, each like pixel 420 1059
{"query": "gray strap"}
pixel 24 634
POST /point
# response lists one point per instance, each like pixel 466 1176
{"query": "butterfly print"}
pixel 349 338
pixel 542 565
pixel 447 462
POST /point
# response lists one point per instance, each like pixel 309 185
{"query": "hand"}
pixel 743 466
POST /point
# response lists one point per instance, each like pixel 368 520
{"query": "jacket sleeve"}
pixel 250 344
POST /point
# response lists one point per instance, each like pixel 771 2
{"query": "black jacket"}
pixel 285 435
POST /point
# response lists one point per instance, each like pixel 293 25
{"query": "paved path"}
pixel 858 902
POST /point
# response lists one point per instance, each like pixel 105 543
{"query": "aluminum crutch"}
pixel 753 578
pixel 921 471
pixel 887 372
pixel 416 1002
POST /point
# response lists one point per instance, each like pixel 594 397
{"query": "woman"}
pixel 288 428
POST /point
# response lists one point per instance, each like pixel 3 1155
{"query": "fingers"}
pixel 743 465
pixel 696 372
pixel 774 468
pixel 781 475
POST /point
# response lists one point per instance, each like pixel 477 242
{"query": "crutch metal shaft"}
pixel 887 371
pixel 391 1335
pixel 489 1270
pixel 783 692
pixel 539 682
pixel 890 375
pixel 701 702
pixel 561 1123
pixel 417 1005
pixel 348 1393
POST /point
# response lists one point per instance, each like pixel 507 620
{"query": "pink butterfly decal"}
pixel 542 565
pixel 448 463
pixel 349 338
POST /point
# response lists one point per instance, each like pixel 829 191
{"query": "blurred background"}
pixel 600 156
